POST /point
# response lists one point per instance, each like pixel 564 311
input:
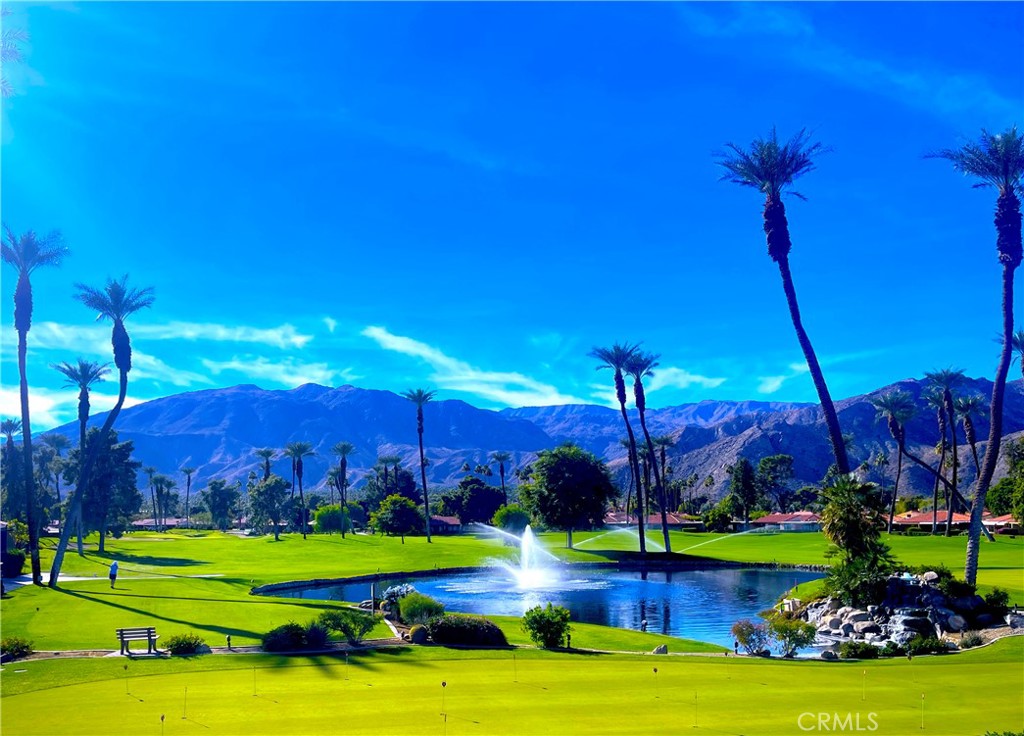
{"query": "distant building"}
pixel 676 522
pixel 445 525
pixel 798 521
pixel 912 521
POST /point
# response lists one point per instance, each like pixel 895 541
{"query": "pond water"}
pixel 693 604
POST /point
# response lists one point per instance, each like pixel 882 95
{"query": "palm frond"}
pixel 116 300
pixel 82 374
pixel 641 365
pixel 418 396
pixel 997 160
pixel 768 165
pixel 614 357
pixel 28 251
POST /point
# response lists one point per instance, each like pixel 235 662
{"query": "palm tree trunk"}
pixel 659 486
pixel 896 488
pixel 85 470
pixel 501 472
pixel 939 475
pixel 341 494
pixel 26 444
pixel 940 478
pixel 995 431
pixel 423 477
pixel 835 434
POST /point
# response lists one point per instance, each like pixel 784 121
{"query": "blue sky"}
pixel 469 196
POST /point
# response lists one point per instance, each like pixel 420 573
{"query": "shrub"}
pixel 466 630
pixel 185 644
pixel 998 601
pixel 512 518
pixel 316 635
pixel 790 634
pixel 925 645
pixel 548 626
pixel 15 646
pixel 717 519
pixel 954 588
pixel 391 595
pixel 857 582
pixel 13 562
pixel 971 639
pixel 941 570
pixel 753 637
pixel 289 637
pixel 418 634
pixel 417 608
pixel 892 649
pixel 858 650
pixel 353 625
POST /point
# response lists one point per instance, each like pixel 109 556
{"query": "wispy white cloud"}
pixel 95 338
pixel 938 90
pixel 506 388
pixel 287 372
pixel 771 384
pixel 331 323
pixel 52 408
pixel 145 366
pixel 604 394
pixel 671 377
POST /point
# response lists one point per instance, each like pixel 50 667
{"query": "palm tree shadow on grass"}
pixel 152 561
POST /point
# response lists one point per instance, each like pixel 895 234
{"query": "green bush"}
pixel 790 634
pixel 474 631
pixel 185 643
pixel 892 649
pixel 858 650
pixel 954 588
pixel 753 637
pixel 998 601
pixel 316 635
pixel 15 646
pixel 926 645
pixel 13 562
pixel 353 625
pixel 548 626
pixel 418 634
pixel 417 608
pixel 971 639
pixel 858 582
pixel 289 637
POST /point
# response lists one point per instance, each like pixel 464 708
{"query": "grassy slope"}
pixel 399 692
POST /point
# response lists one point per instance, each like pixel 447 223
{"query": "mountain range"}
pixel 217 430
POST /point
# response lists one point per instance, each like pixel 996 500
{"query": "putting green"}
pixel 399 691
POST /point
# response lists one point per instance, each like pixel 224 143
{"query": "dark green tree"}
pixel 743 488
pixel 852 520
pixel 512 519
pixel 641 365
pixel 26 253
pixel 774 477
pixel 472 500
pixel 221 500
pixel 420 397
pixel 570 489
pixel 771 167
pixel 297 451
pixel 268 500
pixel 188 490
pixel 397 515
pixel 501 458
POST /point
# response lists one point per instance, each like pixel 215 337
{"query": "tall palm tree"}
pixel 420 397
pixel 772 167
pixel 616 358
pixel 26 253
pixel 624 443
pixel 116 301
pixel 946 380
pixel 996 161
pixel 296 451
pixel 501 457
pixel 663 442
pixel 9 428
pixel 266 454
pixel 933 400
pixel 897 408
pixel 641 365
pixel 390 465
pixel 81 375
pixel 343 450
pixel 967 407
pixel 188 489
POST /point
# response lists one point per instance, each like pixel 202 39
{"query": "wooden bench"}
pixel 141 633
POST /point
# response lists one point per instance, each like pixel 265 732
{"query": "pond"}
pixel 698 604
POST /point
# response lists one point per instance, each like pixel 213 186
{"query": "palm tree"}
pixel 188 489
pixel 946 380
pixel 996 161
pixel 116 301
pixel 27 253
pixel 390 464
pixel 663 442
pixel 1017 344
pixel 343 450
pixel 771 167
pixel 296 451
pixel 420 397
pixel 897 408
pixel 266 454
pixel 967 407
pixel 150 471
pixel 641 365
pixel 10 51
pixel 9 428
pixel 933 399
pixel 501 458
pixel 616 358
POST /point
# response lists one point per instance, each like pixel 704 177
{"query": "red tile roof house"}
pixel 798 521
pixel 445 525
pixel 919 521
pixel 677 522
pixel 1006 522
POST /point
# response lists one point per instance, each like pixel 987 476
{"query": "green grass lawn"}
pixel 399 691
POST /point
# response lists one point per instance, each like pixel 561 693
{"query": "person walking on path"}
pixel 113 573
